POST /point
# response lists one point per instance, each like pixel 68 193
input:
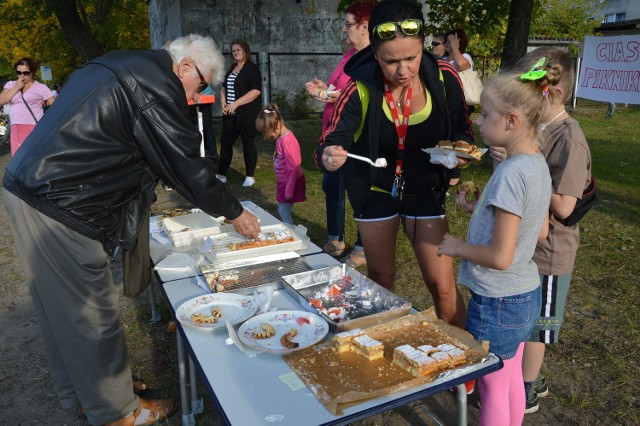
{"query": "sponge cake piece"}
pixel 413 361
pixel 342 342
pixel 367 347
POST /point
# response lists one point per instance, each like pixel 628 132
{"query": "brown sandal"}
pixel 149 412
pixel 356 258
pixel 335 248
pixel 139 387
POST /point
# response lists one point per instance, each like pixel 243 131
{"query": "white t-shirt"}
pixel 468 58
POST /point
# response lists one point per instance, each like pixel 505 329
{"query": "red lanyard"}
pixel 401 129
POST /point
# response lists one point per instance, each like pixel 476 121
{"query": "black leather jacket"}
pixel 93 161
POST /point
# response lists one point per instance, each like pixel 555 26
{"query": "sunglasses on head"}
pixel 203 83
pixel 435 43
pixel 387 30
pixel 23 72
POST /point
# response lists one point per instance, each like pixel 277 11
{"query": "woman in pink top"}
pixel 356 32
pixel 20 93
pixel 292 187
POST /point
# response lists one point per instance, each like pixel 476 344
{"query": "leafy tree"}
pixel 66 33
pixel 475 16
pixel 503 27
pixel 566 19
pixel 517 37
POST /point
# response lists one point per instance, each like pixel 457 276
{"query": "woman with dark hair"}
pixel 438 47
pixel 240 100
pixel 356 33
pixel 456 45
pixel 27 97
pixel 398 103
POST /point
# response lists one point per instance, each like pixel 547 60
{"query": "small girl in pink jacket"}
pixel 290 179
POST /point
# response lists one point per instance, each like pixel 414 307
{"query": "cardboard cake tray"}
pixel 221 248
pixel 341 380
pixel 186 229
pixel 341 289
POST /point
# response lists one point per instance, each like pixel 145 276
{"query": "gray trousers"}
pixel 77 307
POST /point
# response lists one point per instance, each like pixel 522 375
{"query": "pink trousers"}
pixel 502 398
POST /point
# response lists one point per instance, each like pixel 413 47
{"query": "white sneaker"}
pixel 221 178
pixel 249 181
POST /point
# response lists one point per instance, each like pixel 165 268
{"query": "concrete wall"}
pixel 164 21
pixel 268 25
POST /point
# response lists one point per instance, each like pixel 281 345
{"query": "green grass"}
pixel 594 371
pixel 595 360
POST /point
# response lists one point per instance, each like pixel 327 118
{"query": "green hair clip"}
pixel 535 73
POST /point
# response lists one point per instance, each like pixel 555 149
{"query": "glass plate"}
pixel 311 329
pixel 235 308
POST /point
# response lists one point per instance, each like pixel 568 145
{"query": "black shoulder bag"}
pixel 583 205
pixel 27 105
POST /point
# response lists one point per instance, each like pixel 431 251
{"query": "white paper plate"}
pixel 458 154
pixel 311 329
pixel 235 308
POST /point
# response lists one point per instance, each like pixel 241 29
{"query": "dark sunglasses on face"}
pixel 203 83
pixel 387 30
pixel 23 72
pixel 435 43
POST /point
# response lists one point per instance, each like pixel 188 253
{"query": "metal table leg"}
pixel 187 414
pixel 461 398
pixel 197 404
pixel 155 315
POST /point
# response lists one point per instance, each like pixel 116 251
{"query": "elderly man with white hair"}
pixel 80 191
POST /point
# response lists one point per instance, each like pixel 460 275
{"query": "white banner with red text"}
pixel 610 70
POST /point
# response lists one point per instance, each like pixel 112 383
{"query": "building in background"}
pixel 292 41
pixel 619 17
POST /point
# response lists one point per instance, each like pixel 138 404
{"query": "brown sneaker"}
pixel 148 413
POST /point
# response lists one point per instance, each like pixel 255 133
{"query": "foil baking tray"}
pixel 345 298
pixel 232 277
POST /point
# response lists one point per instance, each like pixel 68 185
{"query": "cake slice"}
pixel 442 360
pixel 342 341
pixel 367 347
pixel 413 361
pixel 445 347
pixel 456 354
pixel 446 360
pixel 428 349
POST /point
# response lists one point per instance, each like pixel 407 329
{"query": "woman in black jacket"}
pixel 240 106
pixel 400 80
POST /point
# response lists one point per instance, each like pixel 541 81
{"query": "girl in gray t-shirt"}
pixel 508 219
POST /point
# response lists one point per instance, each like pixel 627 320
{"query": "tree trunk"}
pixel 517 37
pixel 78 34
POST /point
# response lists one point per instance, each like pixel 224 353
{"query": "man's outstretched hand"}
pixel 246 224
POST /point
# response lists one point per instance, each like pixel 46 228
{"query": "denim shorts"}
pixel 503 321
